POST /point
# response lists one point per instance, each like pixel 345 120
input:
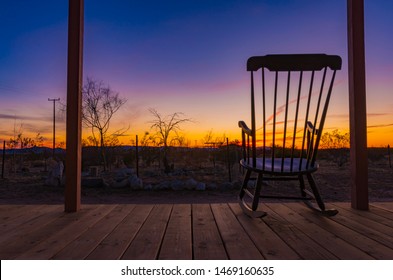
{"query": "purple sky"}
pixel 186 56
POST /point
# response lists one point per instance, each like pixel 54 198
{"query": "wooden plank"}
pixel 57 241
pixel 20 216
pixel 115 244
pixel 331 242
pixel 296 239
pixel 33 221
pixel 371 215
pixel 381 212
pixel 80 248
pixel 237 243
pixel 359 240
pixel 177 243
pixel 374 230
pixel 147 243
pixel 20 244
pixel 207 241
pixel 388 206
pixel 8 212
pixel 267 241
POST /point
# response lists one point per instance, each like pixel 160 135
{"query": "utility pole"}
pixel 3 161
pixel 54 124
pixel 137 156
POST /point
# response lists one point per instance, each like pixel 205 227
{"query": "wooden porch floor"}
pixel 194 231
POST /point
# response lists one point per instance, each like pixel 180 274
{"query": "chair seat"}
pixel 288 167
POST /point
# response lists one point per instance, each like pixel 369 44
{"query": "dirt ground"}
pixel 333 181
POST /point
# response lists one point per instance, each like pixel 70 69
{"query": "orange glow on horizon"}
pixel 376 137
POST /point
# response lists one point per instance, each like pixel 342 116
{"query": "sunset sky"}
pixel 182 56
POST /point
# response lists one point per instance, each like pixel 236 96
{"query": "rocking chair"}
pixel 284 146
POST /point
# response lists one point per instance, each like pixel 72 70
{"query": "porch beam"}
pixel 74 106
pixel 357 105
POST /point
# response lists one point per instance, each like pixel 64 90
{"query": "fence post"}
pixel 137 156
pixel 390 162
pixel 3 161
pixel 229 162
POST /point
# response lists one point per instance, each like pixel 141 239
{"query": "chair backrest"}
pixel 291 109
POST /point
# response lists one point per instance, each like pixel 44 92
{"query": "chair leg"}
pixel 255 200
pixel 315 191
pixel 318 198
pixel 245 183
pixel 302 186
pixel 251 211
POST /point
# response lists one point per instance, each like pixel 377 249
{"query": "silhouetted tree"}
pixel 338 143
pixel 165 127
pixel 100 103
pixel 39 140
pixel 208 138
pixel 214 141
pixel 335 140
pixel 147 153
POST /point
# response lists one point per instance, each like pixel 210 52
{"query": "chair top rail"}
pixel 294 62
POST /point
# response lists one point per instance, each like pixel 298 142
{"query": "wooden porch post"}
pixel 74 106
pixel 357 105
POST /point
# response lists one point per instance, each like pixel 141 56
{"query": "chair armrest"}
pixel 245 128
pixel 310 128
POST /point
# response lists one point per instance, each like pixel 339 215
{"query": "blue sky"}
pixel 186 56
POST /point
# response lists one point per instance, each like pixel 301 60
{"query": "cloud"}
pixel 9 117
pixel 4 135
pixel 346 116
pixel 338 116
pixel 15 117
pixel 377 114
pixel 380 125
pixel 32 128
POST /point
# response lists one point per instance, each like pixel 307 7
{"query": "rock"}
pixel 120 176
pixel 200 186
pixel 55 173
pixel 121 184
pixel 162 186
pixel 190 184
pixel 123 173
pixel 135 183
pixel 177 185
pixel 148 187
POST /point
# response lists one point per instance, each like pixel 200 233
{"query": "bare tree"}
pixel 100 103
pixel 39 140
pixel 208 138
pixel 214 141
pixel 165 127
pixel 338 144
